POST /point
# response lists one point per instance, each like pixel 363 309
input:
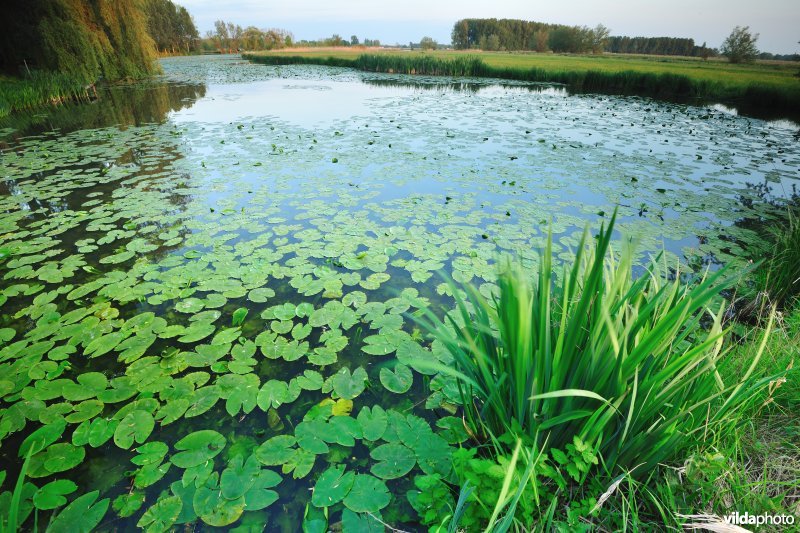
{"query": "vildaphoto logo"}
pixel 747 519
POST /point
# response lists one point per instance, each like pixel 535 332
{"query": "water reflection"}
pixel 428 83
pixel 117 105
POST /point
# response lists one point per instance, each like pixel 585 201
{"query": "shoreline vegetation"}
pixel 764 88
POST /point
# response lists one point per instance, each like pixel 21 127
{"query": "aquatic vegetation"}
pixel 204 317
pixel 779 275
pixel 620 363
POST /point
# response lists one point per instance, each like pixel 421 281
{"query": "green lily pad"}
pixel 395 460
pixel 361 522
pixel 161 516
pixel 226 336
pixel 380 344
pixel 80 516
pixel 373 422
pixel 309 436
pixel 368 495
pixel 190 305
pixel 42 438
pixel 196 332
pixel 273 393
pixel 198 448
pixel 332 486
pixel 126 505
pixel 136 426
pixel 260 295
pixel 150 453
pixel 150 474
pixel 260 496
pixel 349 386
pixel 397 381
pixel 239 477
pixel 202 400
pixel 52 495
pixel 277 450
pixel 85 410
pixel 213 508
pixel 58 457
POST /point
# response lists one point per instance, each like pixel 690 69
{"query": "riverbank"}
pixel 768 89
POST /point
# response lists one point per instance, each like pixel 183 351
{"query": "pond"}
pixel 209 280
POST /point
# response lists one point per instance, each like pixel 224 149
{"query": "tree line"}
pixel 171 26
pixel 662 46
pixel 512 34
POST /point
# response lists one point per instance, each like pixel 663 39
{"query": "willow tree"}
pixel 86 39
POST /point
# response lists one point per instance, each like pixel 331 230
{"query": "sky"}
pixel 777 21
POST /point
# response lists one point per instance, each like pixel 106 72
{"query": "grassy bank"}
pixel 759 87
pixel 39 89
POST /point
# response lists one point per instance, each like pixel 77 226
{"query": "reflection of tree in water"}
pixel 438 84
pixel 121 105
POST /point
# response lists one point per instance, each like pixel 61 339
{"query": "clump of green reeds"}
pixel 621 363
pixel 39 88
pixel 779 276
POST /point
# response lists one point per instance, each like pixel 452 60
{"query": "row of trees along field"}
pixel 230 37
pixel 512 34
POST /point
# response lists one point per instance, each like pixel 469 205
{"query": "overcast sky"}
pixel 777 21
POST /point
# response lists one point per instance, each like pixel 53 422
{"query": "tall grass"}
pixel 779 276
pixel 754 95
pixel 620 363
pixel 40 88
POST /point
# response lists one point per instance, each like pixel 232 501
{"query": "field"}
pixel 771 86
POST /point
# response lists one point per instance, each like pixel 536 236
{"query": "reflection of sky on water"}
pixel 310 104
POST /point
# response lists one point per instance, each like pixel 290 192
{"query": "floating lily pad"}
pixel 214 509
pixel 347 385
pixel 397 381
pixel 136 426
pixel 51 496
pixel 80 516
pixel 332 486
pixel 198 448
pixel 162 515
pixel 373 422
pixel 367 495
pixel 395 460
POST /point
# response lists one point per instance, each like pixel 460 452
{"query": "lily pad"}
pixel 52 495
pixel 80 516
pixel 332 486
pixel 373 422
pixel 349 386
pixel 239 477
pixel 198 448
pixel 136 426
pixel 395 460
pixel 277 450
pixel 162 515
pixel 368 495
pixel 397 381
pixel 213 508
